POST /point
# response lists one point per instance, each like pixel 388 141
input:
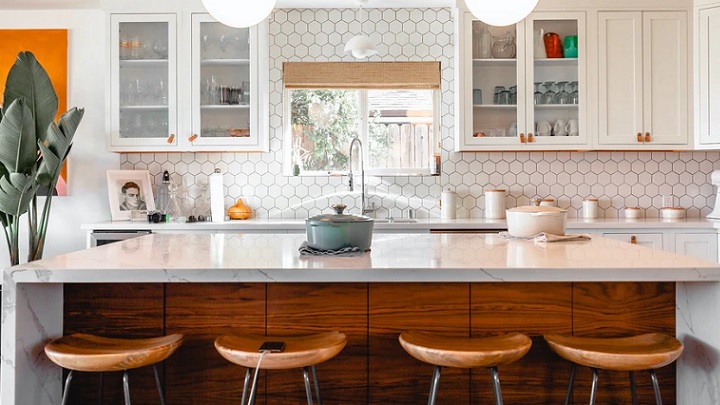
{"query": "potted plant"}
pixel 33 148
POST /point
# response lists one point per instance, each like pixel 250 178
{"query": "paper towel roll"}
pixel 217 197
pixel 448 204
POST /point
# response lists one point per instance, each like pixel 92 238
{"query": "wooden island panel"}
pixel 373 368
pixel 196 373
pixel 299 309
pixel 621 309
pixel 114 310
pixel 394 376
pixel 533 309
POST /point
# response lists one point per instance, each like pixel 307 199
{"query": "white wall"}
pixel 87 200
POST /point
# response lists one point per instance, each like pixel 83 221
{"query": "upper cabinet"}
pixel 708 76
pixel 643 86
pixel 522 87
pixel 184 82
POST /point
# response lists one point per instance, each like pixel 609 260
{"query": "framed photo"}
pixel 128 191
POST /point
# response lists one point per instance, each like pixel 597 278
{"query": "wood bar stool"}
pixel 299 352
pixel 91 353
pixel 635 353
pixel 460 352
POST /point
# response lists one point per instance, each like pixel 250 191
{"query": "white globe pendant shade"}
pixel 361 46
pixel 500 13
pixel 239 14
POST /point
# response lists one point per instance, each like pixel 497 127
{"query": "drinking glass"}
pixel 504 97
pixel 561 97
pixel 549 95
pixel 574 95
pixel 537 96
pixel 513 95
pixel 496 94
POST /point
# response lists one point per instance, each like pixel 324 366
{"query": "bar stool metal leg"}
pixel 308 389
pixel 633 391
pixel 593 391
pixel 656 386
pixel 100 390
pixel 253 390
pixel 126 387
pixel 68 380
pixel 570 384
pixel 496 386
pixel 434 385
pixel 317 384
pixel 245 386
pixel 157 383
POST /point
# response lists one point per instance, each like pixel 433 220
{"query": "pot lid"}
pixel 338 217
pixel 539 208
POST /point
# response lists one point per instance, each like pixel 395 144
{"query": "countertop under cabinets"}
pixel 420 225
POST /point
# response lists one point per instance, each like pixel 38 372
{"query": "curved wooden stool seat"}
pixel 91 353
pixel 461 352
pixel 634 353
pixel 299 352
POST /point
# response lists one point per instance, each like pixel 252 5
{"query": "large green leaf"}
pixel 57 146
pixel 28 79
pixel 18 151
pixel 16 191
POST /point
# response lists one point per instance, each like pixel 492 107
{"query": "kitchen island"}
pixel 452 279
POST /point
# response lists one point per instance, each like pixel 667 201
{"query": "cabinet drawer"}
pixel 652 240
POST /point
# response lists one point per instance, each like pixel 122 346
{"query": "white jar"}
pixel 590 208
pixel 633 212
pixel 448 204
pixel 547 202
pixel 494 204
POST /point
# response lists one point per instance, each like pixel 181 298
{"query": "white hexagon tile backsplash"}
pixel 617 179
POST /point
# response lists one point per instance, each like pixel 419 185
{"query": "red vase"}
pixel 553 45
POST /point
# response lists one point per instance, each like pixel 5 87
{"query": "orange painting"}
pixel 50 49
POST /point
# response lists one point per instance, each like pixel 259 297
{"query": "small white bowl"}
pixel 672 213
pixel 633 212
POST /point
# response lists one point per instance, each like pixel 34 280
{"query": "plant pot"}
pixel 528 221
pixel 337 231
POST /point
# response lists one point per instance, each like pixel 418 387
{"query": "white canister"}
pixel 448 204
pixel 494 204
pixel 547 202
pixel 633 212
pixel 590 208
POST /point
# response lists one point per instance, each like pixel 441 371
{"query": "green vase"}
pixel 570 45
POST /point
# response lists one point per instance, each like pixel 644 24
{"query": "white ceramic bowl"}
pixel 633 212
pixel 528 221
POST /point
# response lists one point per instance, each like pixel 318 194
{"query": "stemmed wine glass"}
pixel 561 97
pixel 549 95
pixel 574 95
pixel 538 95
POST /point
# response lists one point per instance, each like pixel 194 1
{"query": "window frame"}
pixel 364 131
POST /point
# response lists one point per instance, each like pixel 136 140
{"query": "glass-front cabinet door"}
pixel 224 85
pixel 523 86
pixel 556 63
pixel 143 80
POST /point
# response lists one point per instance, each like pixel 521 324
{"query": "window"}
pixel 394 114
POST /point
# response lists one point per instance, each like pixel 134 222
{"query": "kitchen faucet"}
pixel 362 175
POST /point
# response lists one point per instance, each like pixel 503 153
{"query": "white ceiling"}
pixel 67 4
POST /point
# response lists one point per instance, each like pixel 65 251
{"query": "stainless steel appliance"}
pixel 103 237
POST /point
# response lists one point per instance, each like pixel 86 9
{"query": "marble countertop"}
pixel 421 224
pixel 228 257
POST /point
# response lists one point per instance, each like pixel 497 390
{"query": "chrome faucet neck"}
pixel 362 172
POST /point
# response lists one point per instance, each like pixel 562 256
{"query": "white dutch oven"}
pixel 528 221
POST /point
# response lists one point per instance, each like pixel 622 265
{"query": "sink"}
pixel 396 221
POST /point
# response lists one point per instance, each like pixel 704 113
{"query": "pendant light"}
pixel 361 46
pixel 239 14
pixel 501 13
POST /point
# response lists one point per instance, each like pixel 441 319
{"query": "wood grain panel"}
pixel 533 309
pixel 618 309
pixel 116 310
pixel 296 309
pixel 394 376
pixel 196 373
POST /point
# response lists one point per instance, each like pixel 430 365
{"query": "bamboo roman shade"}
pixel 361 75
